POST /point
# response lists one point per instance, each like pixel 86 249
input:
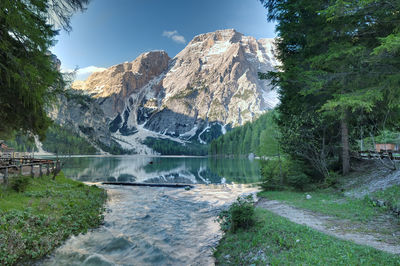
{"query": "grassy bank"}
pixel 326 202
pixel 47 212
pixel 277 241
pixel 336 204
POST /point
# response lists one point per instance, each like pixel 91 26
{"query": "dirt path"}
pixel 328 225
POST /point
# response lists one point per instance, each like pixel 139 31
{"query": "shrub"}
pixel 332 180
pixel 290 173
pixel 240 215
pixel 296 178
pixel 19 183
pixel 270 172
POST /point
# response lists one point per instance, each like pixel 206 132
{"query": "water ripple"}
pixel 153 226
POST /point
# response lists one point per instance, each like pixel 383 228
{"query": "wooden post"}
pixel 32 173
pixel 20 169
pixel 40 170
pixel 48 169
pixel 57 170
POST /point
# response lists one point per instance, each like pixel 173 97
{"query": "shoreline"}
pixel 37 220
pixel 124 156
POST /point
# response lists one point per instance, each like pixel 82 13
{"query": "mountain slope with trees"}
pixel 258 137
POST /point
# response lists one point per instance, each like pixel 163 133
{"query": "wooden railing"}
pixel 9 166
pixel 393 155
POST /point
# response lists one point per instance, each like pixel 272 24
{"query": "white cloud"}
pixel 175 36
pixel 90 70
pixel 84 73
pixel 169 34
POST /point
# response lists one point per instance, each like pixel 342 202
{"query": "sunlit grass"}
pixel 326 202
pixel 34 222
pixel 277 241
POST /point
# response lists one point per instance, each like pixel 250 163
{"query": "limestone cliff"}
pixel 210 86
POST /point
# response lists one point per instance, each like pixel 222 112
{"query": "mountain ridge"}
pixel 210 86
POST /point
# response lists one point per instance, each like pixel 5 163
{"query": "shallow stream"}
pixel 154 226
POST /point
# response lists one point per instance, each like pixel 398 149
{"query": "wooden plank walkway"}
pixel 15 166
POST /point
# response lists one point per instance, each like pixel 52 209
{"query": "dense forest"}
pixel 339 90
pixel 170 147
pixel 61 140
pixel 258 137
pixel 338 80
pixel 21 142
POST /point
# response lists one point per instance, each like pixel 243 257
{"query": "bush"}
pixel 270 173
pixel 296 176
pixel 19 183
pixel 332 180
pixel 290 174
pixel 240 215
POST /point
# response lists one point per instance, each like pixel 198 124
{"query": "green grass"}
pixel 390 196
pixel 329 203
pixel 277 241
pixel 34 222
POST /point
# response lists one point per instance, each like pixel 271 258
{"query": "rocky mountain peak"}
pixel 126 77
pixel 211 85
pixel 230 35
pixel 112 86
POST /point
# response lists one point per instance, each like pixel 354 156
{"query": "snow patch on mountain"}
pixel 219 47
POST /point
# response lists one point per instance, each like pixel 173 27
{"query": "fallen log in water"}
pixel 176 185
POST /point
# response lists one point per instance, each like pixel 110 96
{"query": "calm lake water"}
pixel 162 169
pixel 156 226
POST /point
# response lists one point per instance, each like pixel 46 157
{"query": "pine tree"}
pixel 333 70
pixel 29 78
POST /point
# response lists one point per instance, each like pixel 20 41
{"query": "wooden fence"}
pixel 10 166
pixel 393 155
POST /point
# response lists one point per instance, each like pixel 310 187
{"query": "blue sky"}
pixel 114 31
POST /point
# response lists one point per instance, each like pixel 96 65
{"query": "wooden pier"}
pixel 10 166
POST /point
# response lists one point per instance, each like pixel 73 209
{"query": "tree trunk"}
pixel 280 165
pixel 345 145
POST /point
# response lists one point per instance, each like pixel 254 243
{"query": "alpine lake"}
pixel 156 225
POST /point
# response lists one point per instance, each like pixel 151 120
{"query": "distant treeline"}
pixel 59 140
pixel 258 137
pixel 62 140
pixel 22 143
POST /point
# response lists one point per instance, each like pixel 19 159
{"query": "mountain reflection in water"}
pixel 162 169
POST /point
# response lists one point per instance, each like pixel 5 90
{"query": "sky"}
pixel 110 32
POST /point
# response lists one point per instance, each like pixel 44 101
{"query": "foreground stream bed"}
pixel 150 225
pixel 153 226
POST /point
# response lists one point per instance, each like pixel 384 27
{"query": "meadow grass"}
pixel 390 197
pixel 277 241
pixel 44 215
pixel 336 204
pixel 327 202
